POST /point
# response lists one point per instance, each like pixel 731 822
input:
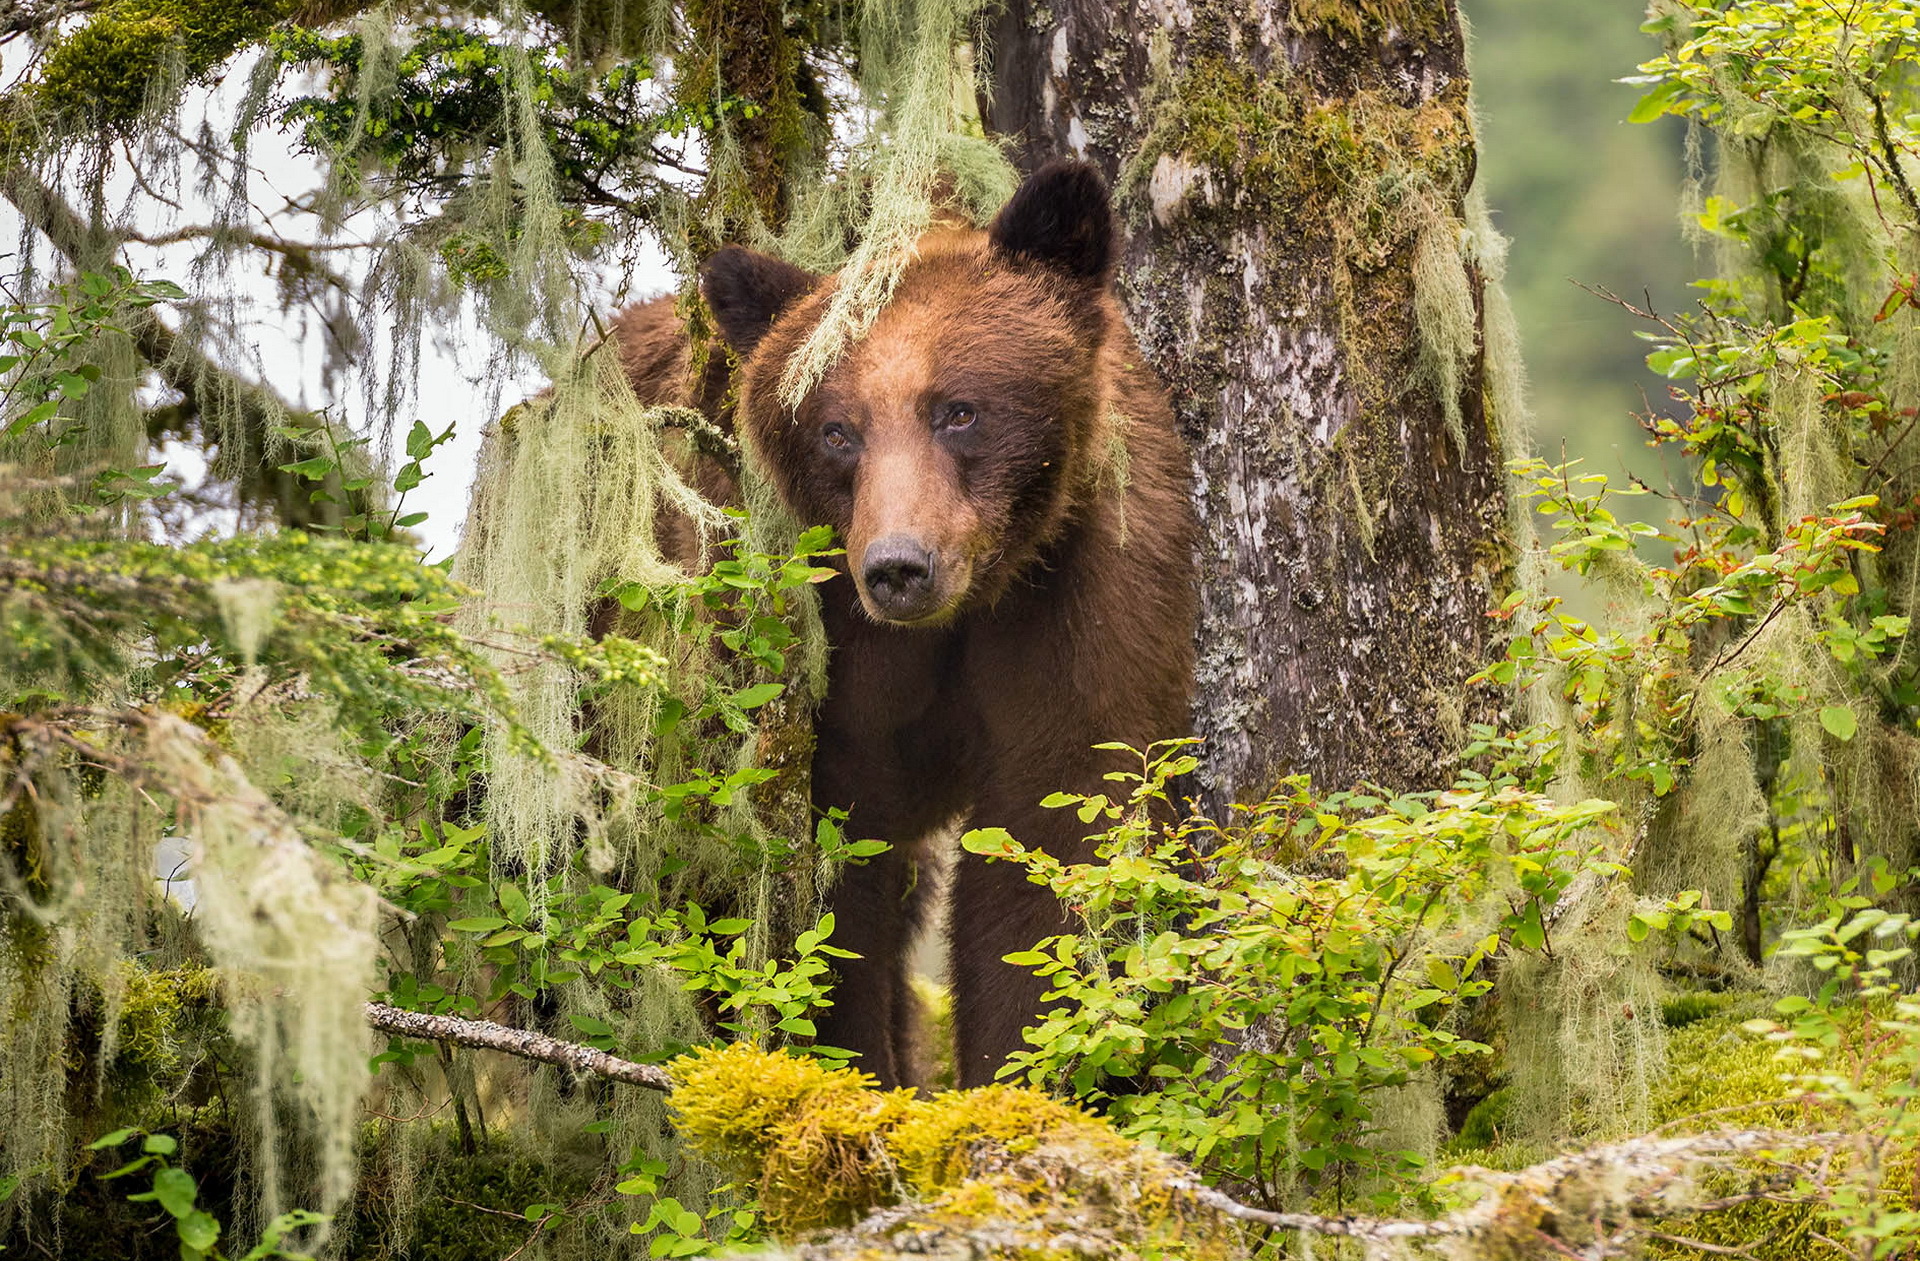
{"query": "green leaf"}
pixel 276 1231
pixel 419 441
pixel 757 695
pixel 1839 721
pixel 1531 933
pixel 514 903
pixel 198 1230
pixel 477 924
pixel 1658 103
pixel 33 416
pixel 160 1145
pixel 314 469
pixel 112 1140
pixel 1671 362
pixel 175 1189
pixel 993 842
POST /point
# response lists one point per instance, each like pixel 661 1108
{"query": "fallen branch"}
pixel 1634 1173
pixel 1623 1185
pixel 485 1035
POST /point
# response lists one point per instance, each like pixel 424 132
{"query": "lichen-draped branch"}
pixel 1640 1170
pixel 485 1035
pixel 1624 1189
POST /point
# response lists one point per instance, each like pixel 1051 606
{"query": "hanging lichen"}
pixel 924 149
pixel 295 941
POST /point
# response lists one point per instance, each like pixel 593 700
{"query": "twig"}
pixel 1718 1248
pixel 1891 157
pixel 1899 438
pixel 497 1212
pixel 485 1035
pixel 22 17
pixel 1350 1227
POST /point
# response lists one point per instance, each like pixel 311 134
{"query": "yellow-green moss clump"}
pixel 1000 1171
pixel 105 72
pixel 804 1134
pixel 153 1007
pixel 1360 18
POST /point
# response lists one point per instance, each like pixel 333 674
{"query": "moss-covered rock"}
pixel 1000 1171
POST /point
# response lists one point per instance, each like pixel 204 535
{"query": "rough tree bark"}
pixel 1302 270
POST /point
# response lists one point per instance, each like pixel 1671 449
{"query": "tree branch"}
pixel 485 1035
pixel 1639 1170
pixel 24 17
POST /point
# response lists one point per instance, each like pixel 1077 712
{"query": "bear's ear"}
pixel 1060 218
pixel 748 291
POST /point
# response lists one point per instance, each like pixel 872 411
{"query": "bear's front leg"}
pixel 874 909
pixel 877 904
pixel 997 911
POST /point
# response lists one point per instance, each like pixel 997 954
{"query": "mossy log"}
pixel 840 1169
pixel 1309 269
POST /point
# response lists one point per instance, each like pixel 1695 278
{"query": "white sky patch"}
pixel 462 379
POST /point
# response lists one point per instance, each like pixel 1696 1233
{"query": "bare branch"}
pixel 1642 1167
pixel 485 1035
pixel 25 17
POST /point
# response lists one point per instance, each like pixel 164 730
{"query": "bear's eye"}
pixel 837 436
pixel 955 416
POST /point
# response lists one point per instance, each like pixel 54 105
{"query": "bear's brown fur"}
pixel 1010 594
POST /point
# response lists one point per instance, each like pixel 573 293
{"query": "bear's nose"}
pixel 899 575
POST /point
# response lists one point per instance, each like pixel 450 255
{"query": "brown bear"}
pixel 1011 594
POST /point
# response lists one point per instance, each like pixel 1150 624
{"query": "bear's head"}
pixel 950 443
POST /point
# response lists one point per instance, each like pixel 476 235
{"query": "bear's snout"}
pixel 898 573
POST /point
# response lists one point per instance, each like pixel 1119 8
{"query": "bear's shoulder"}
pixel 653 349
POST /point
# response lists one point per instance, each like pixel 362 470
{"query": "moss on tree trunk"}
pixel 1308 269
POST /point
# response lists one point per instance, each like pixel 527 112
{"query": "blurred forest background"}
pixel 1584 198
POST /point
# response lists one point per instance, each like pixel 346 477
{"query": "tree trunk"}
pixel 1306 270
pixel 747 68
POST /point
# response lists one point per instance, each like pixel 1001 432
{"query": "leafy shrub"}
pixel 1250 994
